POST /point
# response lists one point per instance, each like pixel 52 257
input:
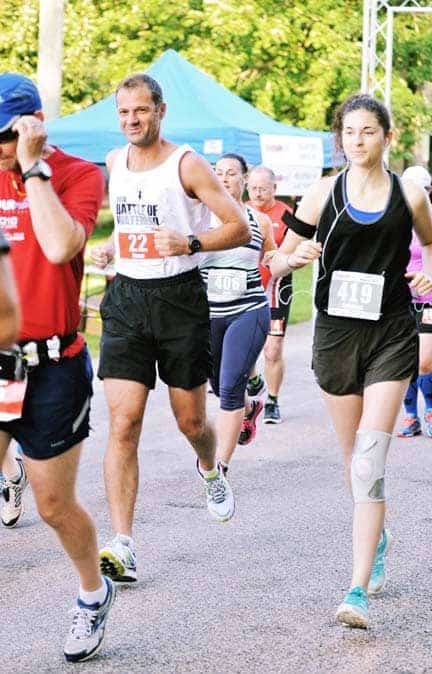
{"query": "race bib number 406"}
pixel 356 295
pixel 226 284
pixel 137 246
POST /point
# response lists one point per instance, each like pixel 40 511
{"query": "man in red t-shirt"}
pixel 48 206
pixel 262 189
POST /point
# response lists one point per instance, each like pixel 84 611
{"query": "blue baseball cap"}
pixel 18 96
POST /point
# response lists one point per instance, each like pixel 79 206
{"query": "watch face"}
pixel 194 245
pixel 44 169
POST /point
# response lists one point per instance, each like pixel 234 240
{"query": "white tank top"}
pixel 141 201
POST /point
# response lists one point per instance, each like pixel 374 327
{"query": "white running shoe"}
pixel 88 627
pixel 220 498
pixel 12 493
pixel 118 560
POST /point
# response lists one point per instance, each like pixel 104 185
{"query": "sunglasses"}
pixel 8 135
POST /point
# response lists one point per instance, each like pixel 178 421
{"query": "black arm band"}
pixel 298 226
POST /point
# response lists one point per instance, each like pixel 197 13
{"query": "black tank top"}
pixel 381 247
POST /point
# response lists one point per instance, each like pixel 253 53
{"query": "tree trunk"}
pixel 49 70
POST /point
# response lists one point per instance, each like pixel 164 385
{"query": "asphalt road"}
pixel 254 596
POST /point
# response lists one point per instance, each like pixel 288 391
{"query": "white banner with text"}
pixel 296 161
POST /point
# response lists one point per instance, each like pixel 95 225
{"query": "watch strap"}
pixel 34 170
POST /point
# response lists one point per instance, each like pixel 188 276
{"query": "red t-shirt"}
pixel 49 293
pixel 275 213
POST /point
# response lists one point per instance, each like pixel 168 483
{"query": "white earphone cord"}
pixel 324 247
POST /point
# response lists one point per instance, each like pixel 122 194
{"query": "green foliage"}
pixel 294 60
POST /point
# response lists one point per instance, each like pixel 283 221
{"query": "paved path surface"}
pixel 254 596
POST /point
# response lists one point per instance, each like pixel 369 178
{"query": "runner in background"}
pixel 261 186
pixel 239 316
pixel 422 380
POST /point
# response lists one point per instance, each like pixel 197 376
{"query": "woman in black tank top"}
pixel 365 343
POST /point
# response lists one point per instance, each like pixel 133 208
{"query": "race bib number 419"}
pixel 356 295
pixel 137 246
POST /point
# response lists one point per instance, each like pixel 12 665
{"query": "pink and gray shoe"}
pixel 410 427
pixel 248 427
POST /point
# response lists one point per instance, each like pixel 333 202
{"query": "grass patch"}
pixel 301 309
pixel 93 343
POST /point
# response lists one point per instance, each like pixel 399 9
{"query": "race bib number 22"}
pixel 137 246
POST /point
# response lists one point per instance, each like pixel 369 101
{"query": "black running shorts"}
pixel 350 354
pixel 156 321
pixel 279 294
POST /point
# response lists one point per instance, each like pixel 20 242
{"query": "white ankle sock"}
pixel 126 540
pixel 95 597
pixel 17 477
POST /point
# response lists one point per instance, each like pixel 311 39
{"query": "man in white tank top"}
pixel 155 310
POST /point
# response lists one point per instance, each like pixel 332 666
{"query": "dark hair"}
pixel 139 80
pixel 241 160
pixel 360 102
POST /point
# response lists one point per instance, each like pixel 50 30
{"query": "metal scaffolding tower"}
pixel 377 62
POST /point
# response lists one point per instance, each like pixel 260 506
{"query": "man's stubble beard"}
pixel 148 140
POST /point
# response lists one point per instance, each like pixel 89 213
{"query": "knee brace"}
pixel 368 466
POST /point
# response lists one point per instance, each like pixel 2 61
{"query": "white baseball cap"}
pixel 419 175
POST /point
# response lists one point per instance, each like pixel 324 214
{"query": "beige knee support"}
pixel 368 466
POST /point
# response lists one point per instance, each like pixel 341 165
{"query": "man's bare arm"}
pixel 59 235
pixel 199 180
pixel 295 250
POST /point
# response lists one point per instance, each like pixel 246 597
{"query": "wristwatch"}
pixel 194 244
pixel 40 169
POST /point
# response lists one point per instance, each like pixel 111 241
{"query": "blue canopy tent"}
pixel 200 112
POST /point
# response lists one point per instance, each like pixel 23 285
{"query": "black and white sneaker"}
pixel 272 413
pixel 13 490
pixel 256 386
pixel 88 627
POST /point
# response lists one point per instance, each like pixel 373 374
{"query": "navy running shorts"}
pixel 56 407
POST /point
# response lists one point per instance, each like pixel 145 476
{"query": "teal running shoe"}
pixel 428 423
pixel 378 574
pixel 354 610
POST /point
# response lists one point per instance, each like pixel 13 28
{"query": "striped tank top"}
pixel 232 277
